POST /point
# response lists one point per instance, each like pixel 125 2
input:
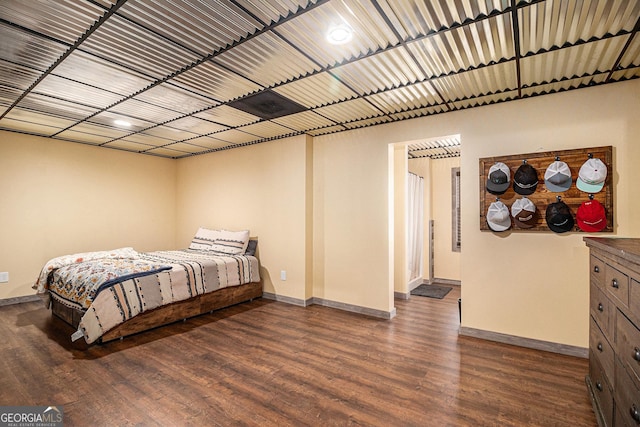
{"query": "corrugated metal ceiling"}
pixel 172 69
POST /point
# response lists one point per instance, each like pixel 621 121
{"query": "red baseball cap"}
pixel 591 216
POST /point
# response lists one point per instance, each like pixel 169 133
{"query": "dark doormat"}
pixel 431 291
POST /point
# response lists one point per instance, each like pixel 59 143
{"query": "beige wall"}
pixel 59 197
pixel 265 188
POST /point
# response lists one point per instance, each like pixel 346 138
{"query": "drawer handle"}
pixel 635 414
pixel 600 307
pixel 614 283
pixel 599 385
pixel 600 346
pixel 636 354
pixel 596 269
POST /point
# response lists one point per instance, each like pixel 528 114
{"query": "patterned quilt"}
pixel 153 279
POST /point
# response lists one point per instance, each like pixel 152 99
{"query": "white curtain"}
pixel 415 226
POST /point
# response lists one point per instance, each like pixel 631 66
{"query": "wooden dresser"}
pixel 614 332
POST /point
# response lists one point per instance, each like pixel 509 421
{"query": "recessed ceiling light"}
pixel 123 123
pixel 340 34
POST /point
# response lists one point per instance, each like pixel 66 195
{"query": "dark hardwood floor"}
pixel 271 364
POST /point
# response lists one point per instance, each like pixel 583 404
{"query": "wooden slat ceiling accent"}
pixel 179 71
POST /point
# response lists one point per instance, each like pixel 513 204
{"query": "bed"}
pixel 106 295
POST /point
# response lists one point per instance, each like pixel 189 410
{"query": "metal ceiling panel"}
pixel 125 43
pixel 8 95
pixel 227 116
pixel 632 73
pixel 146 139
pixel 327 130
pixel 420 112
pixel 84 137
pixel 91 70
pixel 478 82
pixel 349 111
pixel 45 16
pixel 169 133
pixel 308 31
pixel 167 152
pixel 485 100
pixel 202 143
pixel 233 136
pixel 631 57
pixel 196 125
pixel 267 60
pixel 17 76
pixel 267 129
pixel 79 93
pixel 405 98
pixel 563 85
pixel 368 122
pixel 386 70
pixel 304 121
pixel 416 18
pixel 123 144
pixel 579 60
pixel 56 107
pixel 100 130
pixel 204 27
pixel 145 111
pixel 27 49
pixel 486 42
pixel 316 90
pixel 553 23
pixel 109 118
pixel 174 98
pixel 272 11
pixel 215 82
pixel 42 124
pixel 188 147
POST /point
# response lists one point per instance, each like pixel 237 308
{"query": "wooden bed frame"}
pixel 170 313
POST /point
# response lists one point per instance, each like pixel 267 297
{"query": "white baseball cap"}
pixel 592 175
pixel 557 177
pixel 498 217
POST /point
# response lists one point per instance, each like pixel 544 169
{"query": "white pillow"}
pixel 204 238
pixel 231 242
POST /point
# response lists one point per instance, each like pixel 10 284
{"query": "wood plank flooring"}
pixel 267 363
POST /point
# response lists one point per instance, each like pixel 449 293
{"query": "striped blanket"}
pixel 190 273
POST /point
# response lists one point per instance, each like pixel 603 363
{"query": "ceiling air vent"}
pixel 267 105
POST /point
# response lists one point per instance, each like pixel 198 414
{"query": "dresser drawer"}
pixel 617 284
pixel 634 300
pixel 597 270
pixel 627 398
pixel 601 390
pixel 628 347
pixel 602 350
pixel 601 310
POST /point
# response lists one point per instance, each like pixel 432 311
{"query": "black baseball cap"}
pixel 559 217
pixel 525 180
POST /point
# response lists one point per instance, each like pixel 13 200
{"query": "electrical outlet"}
pixel 4 277
pixel 283 275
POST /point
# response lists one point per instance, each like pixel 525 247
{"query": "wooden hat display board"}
pixel 593 187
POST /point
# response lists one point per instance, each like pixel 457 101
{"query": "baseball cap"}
pixel 498 217
pixel 557 177
pixel 524 213
pixel 591 216
pixel 559 217
pixel 525 180
pixel 592 175
pixel 498 179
